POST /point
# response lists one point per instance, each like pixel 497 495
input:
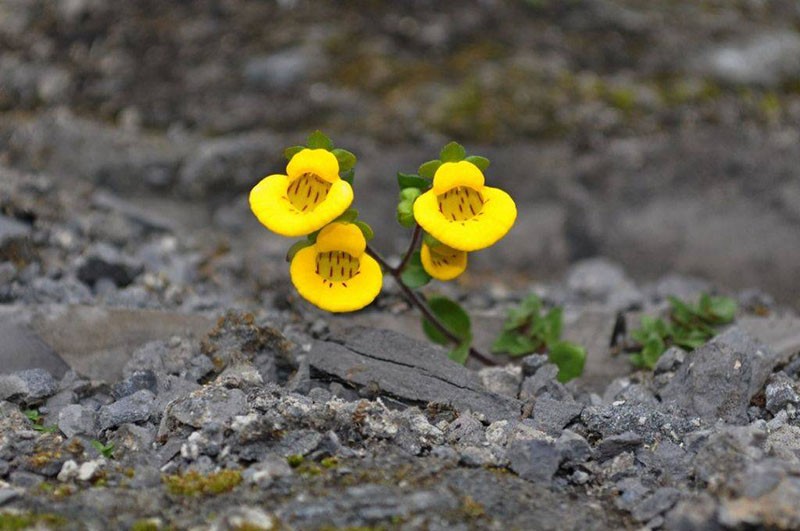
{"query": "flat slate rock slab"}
pixel 92 340
pixel 407 369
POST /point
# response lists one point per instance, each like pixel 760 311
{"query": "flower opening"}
pixel 443 262
pixel 335 273
pixel 307 198
pixel 463 213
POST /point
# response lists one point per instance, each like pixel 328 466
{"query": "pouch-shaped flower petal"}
pixel 443 262
pixel 335 273
pixel 307 198
pixel 461 212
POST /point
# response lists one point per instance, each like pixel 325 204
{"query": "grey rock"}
pixel 650 424
pixel 136 381
pixel 573 448
pixel 9 494
pixel 668 460
pixel 696 513
pixel 766 60
pixel 776 509
pixel 719 379
pixel 600 280
pixel 502 380
pixel 11 229
pixel 137 407
pixel 780 392
pixel 281 70
pixel 406 369
pixel 104 262
pixel 784 443
pixel 208 404
pixel 551 416
pixel 727 452
pixel 264 473
pixel 77 420
pixel 534 460
pixel 657 503
pixel 466 430
pixel 25 480
pixel 616 444
pixel 670 360
pixel 631 493
pixel 30 386
pixel 222 166
pixel 531 364
pixel 543 381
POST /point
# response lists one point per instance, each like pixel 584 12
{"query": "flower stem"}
pixel 417 300
pixel 412 246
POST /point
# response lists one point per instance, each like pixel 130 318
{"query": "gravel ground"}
pixel 173 380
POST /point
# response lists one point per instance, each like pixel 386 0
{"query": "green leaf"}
pixel 653 349
pixel 428 169
pixel 409 180
pixel 366 230
pixel 348 176
pixel 348 216
pixel 452 316
pixel 552 328
pixel 414 275
pixel 481 162
pixel 515 344
pixel 33 415
pixel 460 353
pixel 346 159
pixel 570 359
pixel 302 244
pixel 292 151
pixel 318 140
pixel 106 450
pixel 723 309
pixel 452 152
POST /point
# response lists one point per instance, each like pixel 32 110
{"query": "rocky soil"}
pixel 158 372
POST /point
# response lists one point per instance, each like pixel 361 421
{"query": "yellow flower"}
pixel 335 273
pixel 443 262
pixel 461 212
pixel 307 198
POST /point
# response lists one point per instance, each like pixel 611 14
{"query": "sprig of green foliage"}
pixel 37 420
pixel 529 328
pixel 106 450
pixel 689 326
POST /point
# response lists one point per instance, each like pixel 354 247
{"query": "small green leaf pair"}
pixel 319 140
pixel 690 326
pixel 38 421
pixel 527 330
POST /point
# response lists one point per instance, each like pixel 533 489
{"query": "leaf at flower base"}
pixel 570 359
pixel 347 160
pixel 348 176
pixel 452 152
pixel 429 240
pixel 348 216
pixel 460 353
pixel 313 236
pixel 366 230
pixel 409 180
pixel 481 162
pixel 292 151
pixel 428 169
pixel 452 316
pixel 414 275
pixel 302 244
pixel 318 140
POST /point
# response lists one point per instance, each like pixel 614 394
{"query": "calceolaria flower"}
pixel 461 212
pixel 441 261
pixel 307 198
pixel 335 273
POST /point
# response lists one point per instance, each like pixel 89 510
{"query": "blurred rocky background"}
pixel 663 135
